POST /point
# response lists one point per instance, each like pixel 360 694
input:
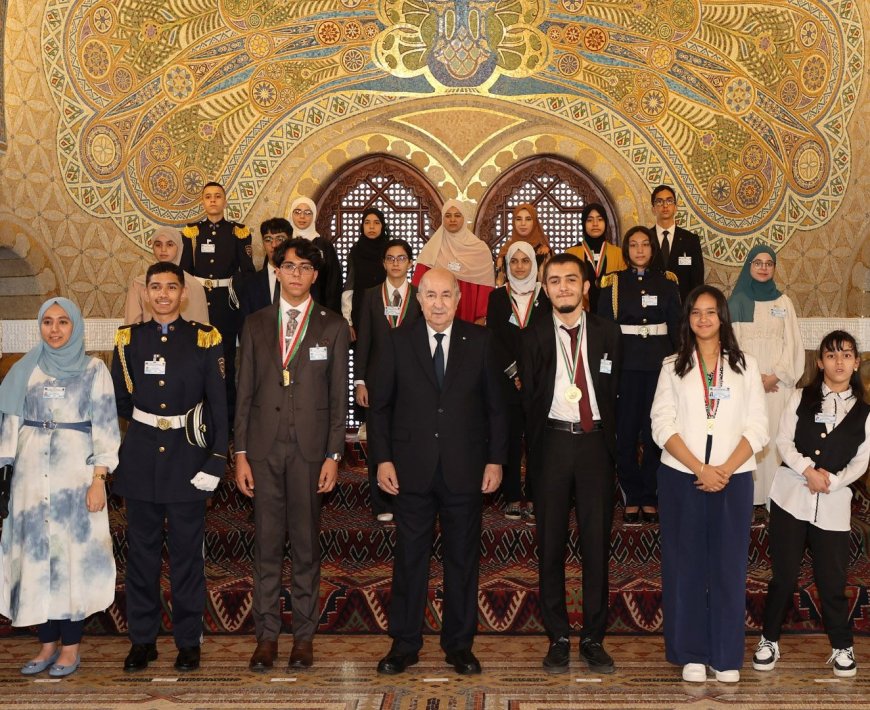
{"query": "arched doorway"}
pixel 410 203
pixel 558 189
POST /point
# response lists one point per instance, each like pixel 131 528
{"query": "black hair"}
pixel 164 267
pixel 399 243
pixel 654 244
pixel 565 258
pixel 303 249
pixel 836 341
pixel 212 183
pixel 584 215
pixel 276 225
pixel 727 340
pixel 660 188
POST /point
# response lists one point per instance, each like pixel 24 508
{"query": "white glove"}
pixel 205 481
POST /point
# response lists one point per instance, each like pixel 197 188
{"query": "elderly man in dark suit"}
pixel 438 431
pixel 290 428
pixel 679 250
pixel 569 371
pixel 384 307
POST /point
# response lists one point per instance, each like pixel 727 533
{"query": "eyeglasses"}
pixel 288 267
pixel 277 239
pixel 307 213
pixel 401 259
pixel 759 264
pixel 669 201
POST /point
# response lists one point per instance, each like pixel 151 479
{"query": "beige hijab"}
pixel 447 250
pixel 310 232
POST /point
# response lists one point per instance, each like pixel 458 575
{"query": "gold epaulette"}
pixel 608 279
pixel 122 335
pixel 241 231
pixel 671 276
pixel 190 231
pixel 207 336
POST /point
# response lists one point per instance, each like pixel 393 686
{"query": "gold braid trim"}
pixel 208 338
pixel 190 231
pixel 122 338
pixel 241 231
pixel 612 280
pixel 672 277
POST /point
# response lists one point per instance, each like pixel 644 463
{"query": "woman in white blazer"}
pixel 710 418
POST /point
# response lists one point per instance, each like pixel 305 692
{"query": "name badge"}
pixel 53 392
pixel 207 248
pixel 684 261
pixel 392 311
pixel 606 365
pixel 454 266
pixel 720 393
pixel 318 352
pixel 778 312
pixel 649 301
pixel 155 367
pixel 513 320
pixel 825 418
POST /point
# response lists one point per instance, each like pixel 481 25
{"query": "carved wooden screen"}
pixel 410 204
pixel 556 187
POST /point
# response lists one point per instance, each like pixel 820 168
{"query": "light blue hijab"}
pixel 61 363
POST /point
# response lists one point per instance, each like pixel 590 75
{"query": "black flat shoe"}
pixel 141 654
pixel 631 518
pixel 464 662
pixel 556 660
pixel 650 517
pixel 395 663
pixel 597 659
pixel 187 659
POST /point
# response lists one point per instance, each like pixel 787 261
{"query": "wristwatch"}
pixel 335 457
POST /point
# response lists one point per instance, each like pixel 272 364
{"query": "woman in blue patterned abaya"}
pixel 60 435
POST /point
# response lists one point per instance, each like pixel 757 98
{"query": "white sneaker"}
pixel 766 655
pixel 695 673
pixel 385 517
pixel 727 676
pixel 843 660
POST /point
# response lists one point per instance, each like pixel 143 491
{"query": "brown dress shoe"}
pixel 264 656
pixel 302 655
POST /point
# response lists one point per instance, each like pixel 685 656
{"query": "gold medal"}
pixel 286 375
pixel 573 394
pixel 710 423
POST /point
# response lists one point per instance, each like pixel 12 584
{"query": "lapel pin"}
pixel 323 313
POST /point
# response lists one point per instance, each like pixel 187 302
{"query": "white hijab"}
pixel 526 285
pixel 310 232
pixel 446 248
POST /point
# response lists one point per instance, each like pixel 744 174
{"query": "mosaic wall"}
pixel 119 110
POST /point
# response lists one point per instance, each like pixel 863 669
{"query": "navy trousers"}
pixel 705 553
pixel 637 388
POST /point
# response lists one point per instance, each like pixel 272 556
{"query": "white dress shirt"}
pixel 828 511
pixel 561 408
pixel 678 408
pixel 445 342
pixel 273 278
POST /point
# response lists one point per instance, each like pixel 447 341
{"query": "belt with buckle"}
pixel 162 422
pixel 573 427
pixel 644 331
pixel 214 283
pixel 51 425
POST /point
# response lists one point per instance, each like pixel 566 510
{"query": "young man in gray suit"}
pixel 290 424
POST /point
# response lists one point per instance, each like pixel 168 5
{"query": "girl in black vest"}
pixel 824 441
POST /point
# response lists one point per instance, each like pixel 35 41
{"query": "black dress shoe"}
pixel 141 654
pixel 650 516
pixel 464 662
pixel 556 660
pixel 394 663
pixel 631 518
pixel 187 659
pixel 598 660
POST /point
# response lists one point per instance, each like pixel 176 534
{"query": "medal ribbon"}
pixel 297 336
pixel 522 322
pixel 596 265
pixel 572 369
pixel 396 321
pixel 711 405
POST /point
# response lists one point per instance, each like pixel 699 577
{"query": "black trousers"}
pixel 787 538
pixel 577 467
pixel 415 514
pixel 637 388
pixel 512 483
pixel 226 320
pixel 186 527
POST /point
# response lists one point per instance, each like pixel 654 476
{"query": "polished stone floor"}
pixel 344 677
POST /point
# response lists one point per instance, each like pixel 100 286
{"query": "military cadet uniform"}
pixel 646 306
pixel 160 373
pixel 218 255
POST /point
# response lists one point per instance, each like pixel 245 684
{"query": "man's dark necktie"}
pixel 438 360
pixel 666 250
pixel 397 298
pixel 580 380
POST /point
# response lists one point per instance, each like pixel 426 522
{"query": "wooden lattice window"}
pixel 556 187
pixel 410 203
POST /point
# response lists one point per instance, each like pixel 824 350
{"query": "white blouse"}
pixel 828 511
pixel 678 408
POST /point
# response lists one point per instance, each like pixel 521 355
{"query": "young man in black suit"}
pixel 384 307
pixel 570 367
pixel 679 249
pixel 264 288
pixel 438 431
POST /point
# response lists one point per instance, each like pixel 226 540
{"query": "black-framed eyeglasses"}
pixel 759 264
pixel 288 267
pixel 276 239
pixel 669 201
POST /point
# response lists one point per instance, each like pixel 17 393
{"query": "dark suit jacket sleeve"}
pixel 243 255
pixel 697 262
pixel 244 389
pixel 605 303
pixel 673 314
pixel 338 390
pixel 499 422
pixel 496 321
pixel 186 262
pixel 332 287
pixel 532 372
pixel 363 338
pixel 381 398
pixel 216 396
